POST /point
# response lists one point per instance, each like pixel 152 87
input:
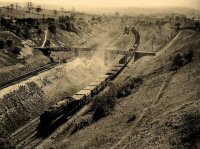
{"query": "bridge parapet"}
pixel 139 54
pixel 120 52
pixel 47 50
pixel 111 54
pixel 62 48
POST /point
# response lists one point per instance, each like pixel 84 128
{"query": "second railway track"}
pixel 31 74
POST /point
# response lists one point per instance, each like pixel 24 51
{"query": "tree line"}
pixel 30 6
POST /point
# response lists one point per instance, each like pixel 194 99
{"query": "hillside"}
pixel 162 112
pixel 23 102
pixel 20 57
pixel 50 62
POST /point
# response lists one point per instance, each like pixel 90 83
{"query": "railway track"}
pixel 37 71
pixel 19 134
pixel 31 141
pixel 28 75
pixel 27 137
pixel 31 74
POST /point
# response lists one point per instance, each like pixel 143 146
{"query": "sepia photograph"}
pixel 99 74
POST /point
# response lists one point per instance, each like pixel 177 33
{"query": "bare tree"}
pixel 38 9
pixel 11 7
pixel 8 8
pixel 73 9
pixel 16 6
pixel 62 9
pixel 55 12
pixel 116 14
pixel 29 6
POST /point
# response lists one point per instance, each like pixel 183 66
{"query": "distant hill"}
pixel 145 11
pixel 122 10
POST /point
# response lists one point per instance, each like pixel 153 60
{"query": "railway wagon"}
pixel 119 65
pixel 116 60
pixel 117 68
pixel 93 89
pixel 103 82
pixel 112 73
pixel 124 60
pixel 98 85
pixel 83 96
pixel 106 77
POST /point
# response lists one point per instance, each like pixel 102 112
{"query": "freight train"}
pixel 61 111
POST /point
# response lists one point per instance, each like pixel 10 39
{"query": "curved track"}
pixel 26 136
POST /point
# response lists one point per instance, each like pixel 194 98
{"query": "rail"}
pixel 28 75
pixel 26 139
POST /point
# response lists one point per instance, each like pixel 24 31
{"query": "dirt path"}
pixel 169 44
pixel 45 39
pixel 146 110
pixel 159 96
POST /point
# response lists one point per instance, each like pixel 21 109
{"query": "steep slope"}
pixel 28 59
pixel 22 102
pixel 163 112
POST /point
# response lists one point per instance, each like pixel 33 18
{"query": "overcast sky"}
pixel 116 3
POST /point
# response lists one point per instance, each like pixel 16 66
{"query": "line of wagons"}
pixel 61 111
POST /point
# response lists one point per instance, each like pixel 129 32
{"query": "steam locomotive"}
pixel 61 111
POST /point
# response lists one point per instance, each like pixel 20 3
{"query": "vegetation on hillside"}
pixel 27 99
pixel 182 59
pixel 104 103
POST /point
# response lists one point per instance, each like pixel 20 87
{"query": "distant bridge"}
pixel 139 54
pixel 62 48
pixel 47 50
pixel 109 54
